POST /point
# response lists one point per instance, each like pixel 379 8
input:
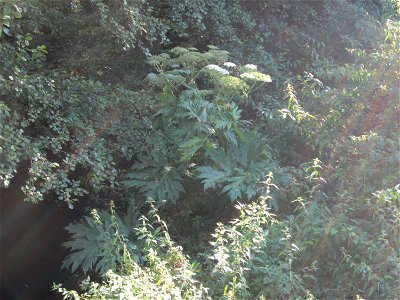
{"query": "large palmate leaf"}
pixel 210 176
pixel 194 109
pixel 161 183
pixel 189 148
pixel 166 186
pixel 238 170
pixel 97 243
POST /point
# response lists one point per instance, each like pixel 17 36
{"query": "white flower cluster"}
pixel 256 76
pixel 230 64
pixel 247 75
pixel 264 78
pixel 218 69
pixel 151 76
pixel 251 66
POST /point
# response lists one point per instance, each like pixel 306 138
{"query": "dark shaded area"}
pixel 31 237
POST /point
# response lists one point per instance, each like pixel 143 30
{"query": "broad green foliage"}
pixel 198 103
pixel 159 174
pixel 241 170
pixel 159 183
pixel 62 133
pixel 165 274
pixel 274 162
pixel 99 243
pixel 61 124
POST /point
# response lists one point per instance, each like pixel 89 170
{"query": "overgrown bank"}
pixel 280 150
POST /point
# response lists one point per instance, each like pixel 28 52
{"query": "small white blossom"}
pixel 230 64
pixel 218 69
pixel 151 76
pixel 247 75
pixel 264 78
pixel 251 66
pixel 213 67
pixel 223 71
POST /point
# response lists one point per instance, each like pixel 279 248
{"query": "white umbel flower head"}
pixel 247 75
pixel 251 66
pixel 264 78
pixel 257 76
pixel 213 67
pixel 230 64
pixel 151 76
pixel 218 69
pixel 223 71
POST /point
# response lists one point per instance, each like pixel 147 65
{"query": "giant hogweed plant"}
pixel 199 101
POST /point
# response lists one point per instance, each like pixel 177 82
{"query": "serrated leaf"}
pixel 234 189
pixel 155 183
pixel 210 176
pixel 190 147
pixel 93 244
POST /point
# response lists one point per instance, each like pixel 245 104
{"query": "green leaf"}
pixel 238 170
pixel 235 188
pixel 94 243
pixel 210 177
pixel 6 21
pixel 164 184
pixel 6 31
pixel 190 147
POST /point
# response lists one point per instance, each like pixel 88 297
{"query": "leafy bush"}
pixel 166 272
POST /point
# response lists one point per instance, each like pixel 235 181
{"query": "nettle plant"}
pixel 199 99
pixel 252 257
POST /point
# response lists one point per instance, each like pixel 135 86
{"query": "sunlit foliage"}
pixel 226 149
